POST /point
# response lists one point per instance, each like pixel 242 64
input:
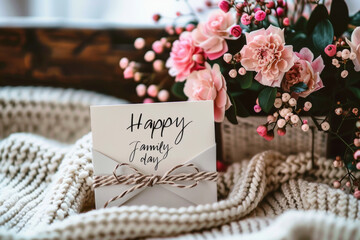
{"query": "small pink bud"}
pixel 158 65
pixel 190 27
pixel 338 111
pixel 336 163
pixel 348 184
pixel 169 29
pixel 281 3
pixel 178 13
pixel 128 73
pixel 261 130
pixel 139 43
pixel 149 56
pixel 270 4
pixel 198 58
pixel 355 111
pixel 336 184
pixel 344 73
pixel 178 30
pixel 158 47
pixel 224 5
pixel 242 71
pixel 330 50
pixel 152 90
pixel 305 127
pixel 227 57
pixel 235 31
pixel 269 136
pixel 357 142
pixel 156 17
pixel 124 62
pixel 271 119
pixel 232 73
pixel 280 11
pixel 220 166
pixel 141 90
pixel 137 76
pixel 163 95
pixel 260 15
pixel 305 121
pixel 148 100
pixel 286 22
pixel 357 194
pixel 281 131
pixel 358 166
pixel 357 155
pixel 257 108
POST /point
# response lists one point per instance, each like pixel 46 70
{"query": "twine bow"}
pixel 140 180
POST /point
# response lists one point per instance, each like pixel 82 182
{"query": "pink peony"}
pixel 210 35
pixel 266 53
pixel 209 84
pixel 355 47
pixel 305 70
pixel 181 62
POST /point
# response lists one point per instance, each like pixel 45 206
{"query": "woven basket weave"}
pixel 242 141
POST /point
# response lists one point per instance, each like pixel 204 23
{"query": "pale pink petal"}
pixel 219 114
pixel 276 31
pixel 220 100
pixel 250 36
pixel 355 36
pixel 306 54
pixel 318 65
pixel 216 55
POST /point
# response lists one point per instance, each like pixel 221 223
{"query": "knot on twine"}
pixel 140 180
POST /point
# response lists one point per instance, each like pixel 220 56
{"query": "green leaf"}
pixel 339 16
pixel 298 41
pixel 355 19
pixel 241 110
pixel 246 80
pixel 231 112
pixel 299 87
pixel 355 91
pixel 300 24
pixel 323 35
pixel 256 86
pixel 178 90
pixel 267 98
pixel 318 14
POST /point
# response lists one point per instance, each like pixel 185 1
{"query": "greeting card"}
pixel 161 154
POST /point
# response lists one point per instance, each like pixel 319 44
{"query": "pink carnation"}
pixel 245 19
pixel 305 70
pixel 210 35
pixel 260 15
pixel 181 61
pixel 209 84
pixel 266 53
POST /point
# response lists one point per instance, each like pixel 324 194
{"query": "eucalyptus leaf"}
pixel 266 98
pixel 318 14
pixel 339 16
pixel 355 19
pixel 246 80
pixel 323 34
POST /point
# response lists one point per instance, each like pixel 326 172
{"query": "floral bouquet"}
pixel 279 59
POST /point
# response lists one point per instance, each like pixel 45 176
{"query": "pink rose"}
pixel 245 19
pixel 235 31
pixel 210 35
pixel 305 70
pixel 209 84
pixel 266 53
pixel 355 47
pixel 181 61
pixel 260 15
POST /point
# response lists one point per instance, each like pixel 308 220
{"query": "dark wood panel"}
pixel 71 58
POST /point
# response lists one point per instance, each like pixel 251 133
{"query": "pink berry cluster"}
pixel 286 114
pixel 234 60
pixel 341 54
pixel 351 182
pixel 148 86
pixel 256 11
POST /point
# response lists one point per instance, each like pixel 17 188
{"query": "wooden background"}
pixel 71 58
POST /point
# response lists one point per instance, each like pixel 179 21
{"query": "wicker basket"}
pixel 242 141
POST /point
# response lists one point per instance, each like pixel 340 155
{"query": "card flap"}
pixel 204 161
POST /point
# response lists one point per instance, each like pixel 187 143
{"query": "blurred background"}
pixel 78 43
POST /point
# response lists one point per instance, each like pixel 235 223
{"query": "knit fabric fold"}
pixel 45 189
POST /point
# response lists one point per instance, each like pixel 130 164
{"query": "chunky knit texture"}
pixel 45 186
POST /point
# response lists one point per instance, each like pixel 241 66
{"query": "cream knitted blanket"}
pixel 45 185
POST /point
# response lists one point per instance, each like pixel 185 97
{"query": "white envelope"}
pixel 114 143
